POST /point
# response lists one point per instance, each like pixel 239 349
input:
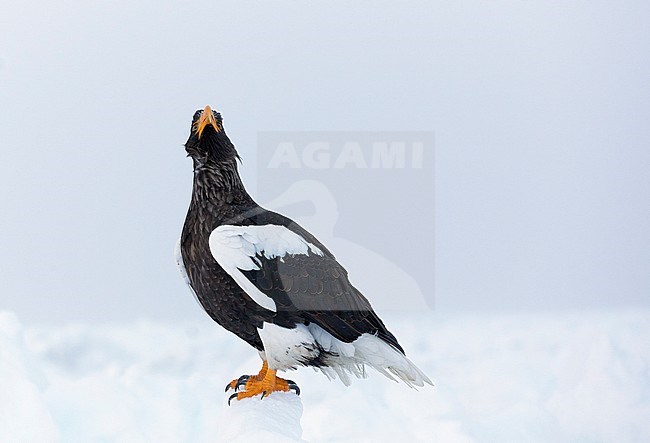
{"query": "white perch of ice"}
pixel 275 418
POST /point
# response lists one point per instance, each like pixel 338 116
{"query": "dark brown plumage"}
pixel 309 289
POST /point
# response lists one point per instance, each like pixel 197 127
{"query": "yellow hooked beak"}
pixel 207 118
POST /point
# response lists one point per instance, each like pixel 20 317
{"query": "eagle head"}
pixel 208 142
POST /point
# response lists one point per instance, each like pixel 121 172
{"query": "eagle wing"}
pixel 285 269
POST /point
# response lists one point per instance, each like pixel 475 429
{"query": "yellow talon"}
pixel 246 378
pixel 264 383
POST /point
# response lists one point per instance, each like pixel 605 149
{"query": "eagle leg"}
pixel 266 384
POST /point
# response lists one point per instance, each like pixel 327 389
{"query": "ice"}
pixel 276 419
pixel 556 376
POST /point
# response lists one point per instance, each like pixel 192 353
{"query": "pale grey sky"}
pixel 540 111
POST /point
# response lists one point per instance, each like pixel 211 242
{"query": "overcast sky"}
pixel 540 112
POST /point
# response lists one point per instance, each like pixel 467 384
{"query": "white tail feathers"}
pixel 389 361
pixel 351 359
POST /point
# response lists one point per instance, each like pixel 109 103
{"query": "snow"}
pixel 276 419
pixel 24 416
pixel 556 376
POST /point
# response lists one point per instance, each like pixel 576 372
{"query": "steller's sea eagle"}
pixel 264 278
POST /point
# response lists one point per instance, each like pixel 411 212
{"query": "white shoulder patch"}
pixel 235 248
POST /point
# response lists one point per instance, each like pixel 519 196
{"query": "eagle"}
pixel 269 281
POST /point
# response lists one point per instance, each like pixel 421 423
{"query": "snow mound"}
pixel 558 376
pixel 24 415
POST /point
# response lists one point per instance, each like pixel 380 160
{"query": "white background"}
pixel 540 112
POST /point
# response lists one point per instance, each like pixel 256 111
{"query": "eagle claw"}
pixel 264 383
pixel 242 382
pixel 292 385
pixel 236 384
